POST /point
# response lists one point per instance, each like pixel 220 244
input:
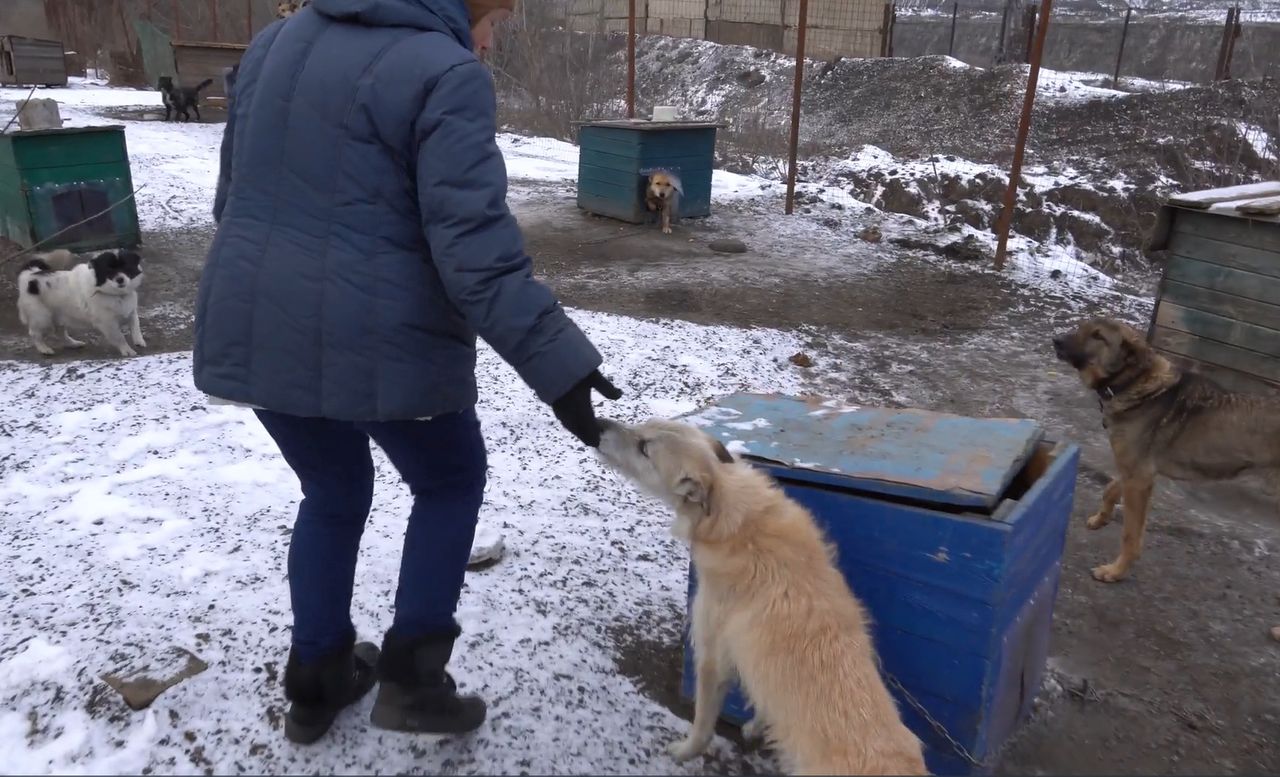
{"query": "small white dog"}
pixel 101 294
pixel 771 608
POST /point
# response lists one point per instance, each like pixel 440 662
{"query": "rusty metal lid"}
pixel 920 455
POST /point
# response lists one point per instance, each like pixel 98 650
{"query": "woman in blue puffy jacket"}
pixel 363 243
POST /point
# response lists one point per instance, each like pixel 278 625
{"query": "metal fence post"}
pixel 951 44
pixel 1220 69
pixel 886 31
pixel 1020 142
pixel 1028 19
pixel 213 14
pixel 248 20
pixel 802 29
pixel 1231 43
pixel 1124 33
pixel 631 59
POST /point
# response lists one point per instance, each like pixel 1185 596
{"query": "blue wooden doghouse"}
pixel 616 157
pixel 949 529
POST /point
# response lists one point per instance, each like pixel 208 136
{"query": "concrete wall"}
pixel 24 17
pixel 1156 49
pixel 849 28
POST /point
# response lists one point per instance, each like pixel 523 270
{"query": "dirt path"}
pixel 1170 671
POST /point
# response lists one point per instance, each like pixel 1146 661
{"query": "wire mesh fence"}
pixel 904 108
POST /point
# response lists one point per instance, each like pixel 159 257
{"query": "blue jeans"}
pixel 443 462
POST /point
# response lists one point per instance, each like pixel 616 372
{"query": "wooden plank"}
pixel 936 458
pixel 1229 379
pixel 1224 279
pixel 1212 352
pixel 1266 206
pixel 1210 326
pixel 1220 303
pixel 1204 199
pixel 1263 235
pixel 1205 249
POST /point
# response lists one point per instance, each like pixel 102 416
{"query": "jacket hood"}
pixel 448 16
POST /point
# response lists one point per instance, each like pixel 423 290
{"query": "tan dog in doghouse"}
pixel 662 195
pixel 770 607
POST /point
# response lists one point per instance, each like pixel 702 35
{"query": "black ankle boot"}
pixel 416 694
pixel 319 690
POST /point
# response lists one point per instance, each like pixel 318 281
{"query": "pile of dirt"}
pixel 1113 158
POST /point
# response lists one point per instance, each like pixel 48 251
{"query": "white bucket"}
pixel 664 113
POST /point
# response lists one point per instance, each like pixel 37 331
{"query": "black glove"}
pixel 574 411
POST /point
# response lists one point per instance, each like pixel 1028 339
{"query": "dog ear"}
pixel 722 453
pixel 695 490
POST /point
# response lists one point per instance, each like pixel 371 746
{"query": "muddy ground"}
pixel 1171 671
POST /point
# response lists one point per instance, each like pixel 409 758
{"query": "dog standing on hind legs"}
pixel 771 608
pixel 1162 420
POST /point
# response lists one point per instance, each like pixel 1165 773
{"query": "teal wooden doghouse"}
pixel 949 529
pixel 616 157
pixel 1218 307
pixel 53 179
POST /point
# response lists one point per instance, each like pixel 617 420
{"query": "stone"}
pixel 141 680
pixel 728 246
pixel 38 113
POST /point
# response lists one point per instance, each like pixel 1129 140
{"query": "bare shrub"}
pixel 550 75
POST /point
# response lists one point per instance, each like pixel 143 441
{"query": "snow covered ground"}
pixel 137 517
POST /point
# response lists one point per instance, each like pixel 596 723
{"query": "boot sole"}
pixel 395 719
pixel 303 734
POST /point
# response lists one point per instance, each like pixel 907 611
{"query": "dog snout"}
pixel 605 426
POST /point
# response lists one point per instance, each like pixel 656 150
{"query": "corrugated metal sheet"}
pixel 32 62
pixel 196 61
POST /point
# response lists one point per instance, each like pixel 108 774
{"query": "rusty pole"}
pixel 1220 69
pixel 1124 33
pixel 1231 45
pixel 1020 143
pixel 1029 19
pixel 951 45
pixel 631 59
pixel 802 32
pixel 885 30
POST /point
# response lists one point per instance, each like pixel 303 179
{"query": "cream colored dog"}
pixel 770 606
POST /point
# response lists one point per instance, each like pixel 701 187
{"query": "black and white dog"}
pixel 101 294
pixel 181 100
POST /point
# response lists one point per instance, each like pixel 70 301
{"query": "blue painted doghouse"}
pixel 949 529
pixel 616 157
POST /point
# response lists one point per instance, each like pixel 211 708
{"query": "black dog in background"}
pixel 181 100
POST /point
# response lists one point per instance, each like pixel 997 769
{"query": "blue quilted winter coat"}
pixel 363 234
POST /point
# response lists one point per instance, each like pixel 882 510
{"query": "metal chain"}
pixel 933 722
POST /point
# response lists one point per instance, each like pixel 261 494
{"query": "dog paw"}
pixel 139 342
pixel 74 343
pixel 666 230
pixel 46 350
pixel 127 351
pixel 1097 521
pixel 1109 573
pixel 686 749
pixel 753 730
